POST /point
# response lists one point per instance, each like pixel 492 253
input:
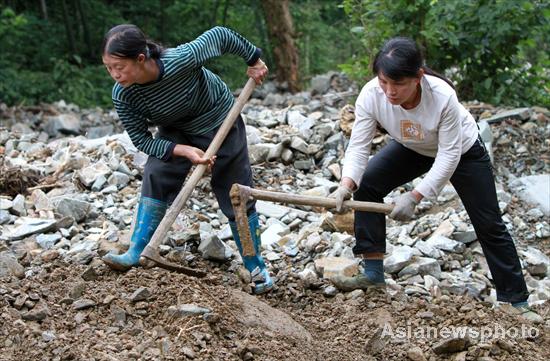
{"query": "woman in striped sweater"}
pixel 172 90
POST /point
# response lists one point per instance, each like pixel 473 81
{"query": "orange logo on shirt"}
pixel 411 130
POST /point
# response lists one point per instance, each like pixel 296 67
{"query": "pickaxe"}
pixel 240 194
pixel 151 252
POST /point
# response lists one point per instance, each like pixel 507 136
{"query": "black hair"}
pixel 128 41
pixel 400 58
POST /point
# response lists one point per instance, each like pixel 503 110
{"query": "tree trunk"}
pixel 162 21
pixel 85 30
pixel 214 13
pixel 260 28
pixel 44 9
pixel 226 7
pixel 68 28
pixel 281 33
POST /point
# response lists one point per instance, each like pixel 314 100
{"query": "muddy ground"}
pixel 127 316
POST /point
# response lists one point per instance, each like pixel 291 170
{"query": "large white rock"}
pixel 446 244
pixel 329 267
pixel 271 210
pixel 534 189
pixel 399 259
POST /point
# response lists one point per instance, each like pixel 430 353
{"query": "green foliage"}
pixel 39 65
pixel 495 50
pixel 323 38
pixel 11 27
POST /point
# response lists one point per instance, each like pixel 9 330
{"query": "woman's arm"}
pixel 136 125
pixel 449 150
pixel 358 151
pixel 218 41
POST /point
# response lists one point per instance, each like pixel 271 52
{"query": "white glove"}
pixel 341 194
pixel 403 209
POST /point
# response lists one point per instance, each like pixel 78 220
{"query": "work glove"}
pixel 403 210
pixel 341 194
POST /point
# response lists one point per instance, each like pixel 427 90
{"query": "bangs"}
pixel 392 68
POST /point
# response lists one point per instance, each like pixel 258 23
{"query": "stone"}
pixel 428 250
pixel 83 304
pixel 29 226
pixel 347 118
pixel 444 229
pixel 256 314
pixel 89 175
pixel 48 336
pixel 537 261
pixel 304 164
pixel 416 354
pixel 99 132
pixel 335 170
pixel 465 237
pixel 188 352
pixel 534 189
pixel 486 136
pixel 330 267
pixel 36 314
pixel 4 216
pixel 47 241
pixel 320 84
pixel 271 210
pixel 213 248
pixel 67 124
pixel 118 179
pixel 273 234
pixel 40 200
pixel 518 113
pixel 400 257
pixel 309 278
pixel 71 207
pixel 89 274
pixel 141 294
pixel 187 309
pixel 10 266
pixel 330 291
pixel 299 144
pixel 18 206
pixel 451 345
pixel 446 244
pixel 423 266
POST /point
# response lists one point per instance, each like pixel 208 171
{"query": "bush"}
pixel 495 50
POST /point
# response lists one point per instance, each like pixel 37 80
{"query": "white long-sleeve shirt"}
pixel 439 127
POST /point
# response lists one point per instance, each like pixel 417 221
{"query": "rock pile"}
pixel 79 177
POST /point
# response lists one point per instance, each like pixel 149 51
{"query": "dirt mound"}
pixel 75 312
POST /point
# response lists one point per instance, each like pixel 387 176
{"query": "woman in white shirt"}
pixel 433 134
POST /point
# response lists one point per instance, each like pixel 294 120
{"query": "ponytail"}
pixel 154 50
pixel 436 74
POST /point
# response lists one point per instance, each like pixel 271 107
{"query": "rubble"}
pixel 69 182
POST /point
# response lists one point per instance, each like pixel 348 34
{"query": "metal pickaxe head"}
pixel 239 197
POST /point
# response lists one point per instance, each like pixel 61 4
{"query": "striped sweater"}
pixel 187 96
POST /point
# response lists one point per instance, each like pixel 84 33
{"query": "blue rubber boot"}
pixel 372 276
pixel 149 214
pixel 254 264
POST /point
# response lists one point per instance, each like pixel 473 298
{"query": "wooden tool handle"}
pixel 315 201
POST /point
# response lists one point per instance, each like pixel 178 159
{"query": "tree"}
pixel 281 35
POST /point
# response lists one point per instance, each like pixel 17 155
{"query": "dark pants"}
pixel 163 180
pixel 473 180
